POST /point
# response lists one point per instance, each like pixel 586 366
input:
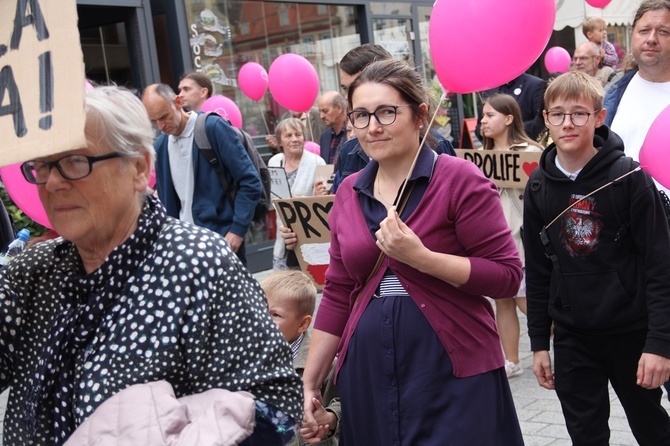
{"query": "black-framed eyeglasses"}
pixel 71 167
pixel 578 118
pixel 385 115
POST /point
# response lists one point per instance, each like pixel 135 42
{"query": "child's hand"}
pixel 325 422
pixel 324 417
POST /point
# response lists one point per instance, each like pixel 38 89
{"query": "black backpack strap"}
pixel 205 147
pixel 538 196
pixel 619 193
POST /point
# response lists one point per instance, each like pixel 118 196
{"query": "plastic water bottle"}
pixel 16 247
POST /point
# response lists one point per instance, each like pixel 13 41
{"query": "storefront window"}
pixel 226 34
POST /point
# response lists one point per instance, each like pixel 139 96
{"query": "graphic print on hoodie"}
pixel 581 227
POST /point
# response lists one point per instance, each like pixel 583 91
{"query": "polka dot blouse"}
pixel 172 302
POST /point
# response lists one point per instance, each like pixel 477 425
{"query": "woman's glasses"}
pixel 71 167
pixel 385 115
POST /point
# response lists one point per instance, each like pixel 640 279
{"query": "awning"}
pixel 573 12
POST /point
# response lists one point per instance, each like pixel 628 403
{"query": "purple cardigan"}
pixel 460 214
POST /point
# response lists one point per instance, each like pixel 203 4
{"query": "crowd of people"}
pixel 146 286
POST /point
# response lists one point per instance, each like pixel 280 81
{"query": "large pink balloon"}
pixel 481 44
pixel 557 60
pixel 654 153
pixel 313 147
pixel 24 195
pixel 253 80
pixel 598 3
pixel 224 107
pixel 294 82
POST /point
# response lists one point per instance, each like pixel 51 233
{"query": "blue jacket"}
pixel 352 158
pixel 614 94
pixel 211 208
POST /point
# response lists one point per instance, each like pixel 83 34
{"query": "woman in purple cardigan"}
pixel 420 360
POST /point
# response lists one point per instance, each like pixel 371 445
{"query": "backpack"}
pixel 201 140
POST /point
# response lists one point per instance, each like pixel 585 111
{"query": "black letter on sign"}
pixel 14 107
pixel 46 89
pixel 22 19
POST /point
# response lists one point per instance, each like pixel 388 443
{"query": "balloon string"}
pixel 591 193
pixel 309 125
pixel 416 156
pixel 260 107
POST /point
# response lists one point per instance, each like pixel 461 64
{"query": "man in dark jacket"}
pixel 333 112
pixel 597 268
pixel 187 184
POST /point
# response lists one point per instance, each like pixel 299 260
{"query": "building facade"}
pixel 139 42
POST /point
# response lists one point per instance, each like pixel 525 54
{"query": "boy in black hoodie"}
pixel 606 291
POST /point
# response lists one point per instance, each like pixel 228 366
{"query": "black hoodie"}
pixel 601 285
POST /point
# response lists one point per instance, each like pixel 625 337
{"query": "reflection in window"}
pixel 226 34
pixel 283 17
pixel 389 8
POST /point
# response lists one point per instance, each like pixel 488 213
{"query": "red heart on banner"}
pixel 529 168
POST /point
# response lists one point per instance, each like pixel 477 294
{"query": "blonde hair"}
pixel 292 286
pixel 575 85
pixel 589 24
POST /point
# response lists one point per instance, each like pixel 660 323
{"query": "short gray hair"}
pixel 124 122
pixel 289 123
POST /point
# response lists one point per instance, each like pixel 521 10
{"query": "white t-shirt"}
pixel 180 152
pixel 640 104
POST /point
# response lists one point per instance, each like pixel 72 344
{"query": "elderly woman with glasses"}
pixel 300 167
pixel 404 306
pixel 128 295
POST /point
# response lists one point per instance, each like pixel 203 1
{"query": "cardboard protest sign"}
pixel 308 218
pixel 42 80
pixel 279 186
pixel 505 168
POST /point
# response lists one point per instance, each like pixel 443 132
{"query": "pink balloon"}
pixel 24 195
pixel 598 3
pixel 294 82
pixel 253 80
pixel 313 147
pixel 225 107
pixel 557 60
pixel 508 38
pixel 654 153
